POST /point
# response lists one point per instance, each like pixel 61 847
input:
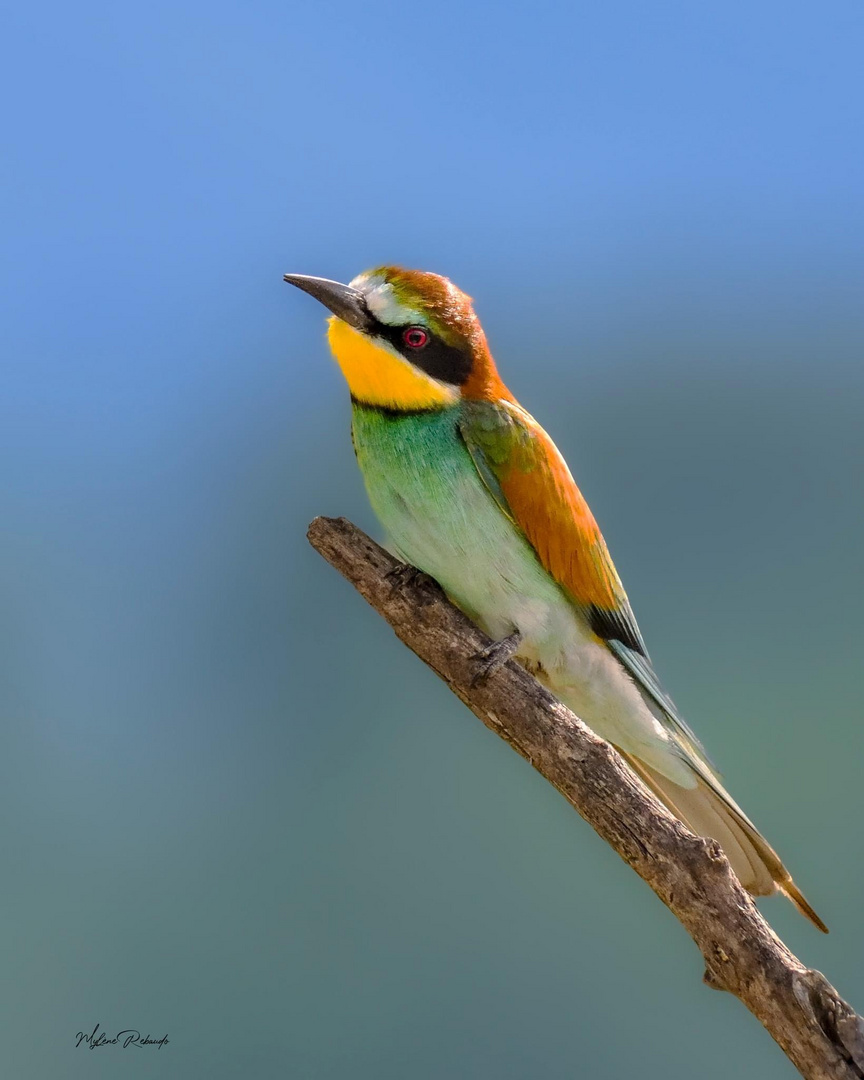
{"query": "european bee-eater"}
pixel 473 492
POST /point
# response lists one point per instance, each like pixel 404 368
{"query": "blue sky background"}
pixel 233 807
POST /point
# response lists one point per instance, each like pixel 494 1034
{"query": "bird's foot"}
pixel 494 657
pixel 404 575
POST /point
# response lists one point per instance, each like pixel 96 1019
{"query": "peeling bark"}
pixel 819 1032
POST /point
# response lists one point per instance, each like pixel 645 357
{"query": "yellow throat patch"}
pixel 376 376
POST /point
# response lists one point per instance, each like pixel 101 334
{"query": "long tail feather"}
pixel 709 811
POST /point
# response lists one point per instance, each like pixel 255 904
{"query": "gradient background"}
pixel 234 808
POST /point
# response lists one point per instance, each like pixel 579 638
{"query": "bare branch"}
pixel 820 1033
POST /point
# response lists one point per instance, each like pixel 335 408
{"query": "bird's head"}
pixel 405 340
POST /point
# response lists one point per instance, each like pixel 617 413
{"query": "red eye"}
pixel 415 337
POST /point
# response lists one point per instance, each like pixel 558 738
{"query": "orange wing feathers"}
pixel 531 481
pixel 555 517
pixel 525 473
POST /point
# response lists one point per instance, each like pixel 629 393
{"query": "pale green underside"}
pixel 440 517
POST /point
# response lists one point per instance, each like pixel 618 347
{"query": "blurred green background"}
pixel 234 808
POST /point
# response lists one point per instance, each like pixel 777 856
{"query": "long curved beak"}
pixel 345 302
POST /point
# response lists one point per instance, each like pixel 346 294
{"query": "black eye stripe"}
pixel 442 361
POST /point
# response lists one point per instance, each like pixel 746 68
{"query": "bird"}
pixel 474 493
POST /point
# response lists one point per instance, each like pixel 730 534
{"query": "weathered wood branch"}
pixel 820 1033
